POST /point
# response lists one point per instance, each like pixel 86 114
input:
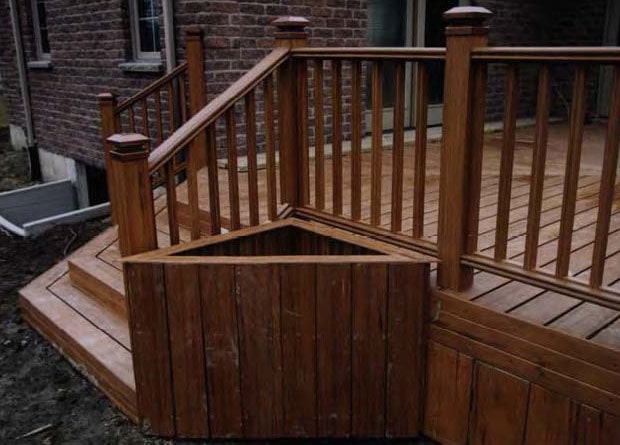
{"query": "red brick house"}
pixel 73 50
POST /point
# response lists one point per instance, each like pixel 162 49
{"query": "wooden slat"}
pixel 170 96
pixel 319 136
pixel 549 417
pixel 250 120
pixel 145 118
pixel 233 173
pixel 356 139
pixel 214 193
pixel 419 168
pixel 171 204
pixel 132 120
pixel 588 428
pixel 608 182
pixel 538 169
pixel 302 132
pixel 219 315
pixel 333 336
pixel 377 141
pixel 573 159
pixel 270 149
pixel 182 100
pixel 337 136
pixel 158 118
pixel 398 146
pixel 192 187
pixel 511 103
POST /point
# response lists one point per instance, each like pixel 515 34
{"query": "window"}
pixel 39 23
pixel 145 29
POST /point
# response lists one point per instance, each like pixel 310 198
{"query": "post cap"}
pixel 106 97
pixel 291 23
pixel 467 16
pixel 193 32
pixel 128 144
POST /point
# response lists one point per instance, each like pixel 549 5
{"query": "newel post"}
pixel 465 31
pixel 197 90
pixel 292 79
pixel 132 194
pixel 107 105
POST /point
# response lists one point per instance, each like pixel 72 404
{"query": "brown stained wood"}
pixel 214 193
pixel 333 331
pixel 448 387
pixel 319 136
pixel 610 429
pixel 405 349
pixel 419 172
pixel 584 320
pixel 538 169
pixel 270 150
pixel 158 118
pixel 171 204
pixel 608 181
pixel 258 300
pixel 398 146
pixel 548 417
pixel 299 377
pixel 192 185
pixel 302 132
pixel 250 119
pixel 170 99
pixel 337 136
pixel 187 352
pixel 511 104
pixel 146 298
pixel 499 407
pixel 377 141
pixel 573 160
pixel 132 120
pixel 588 428
pixel 182 100
pixel 356 139
pixel 145 117
pixel 233 174
pixel 219 315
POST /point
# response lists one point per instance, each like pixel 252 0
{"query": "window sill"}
pixel 40 64
pixel 142 67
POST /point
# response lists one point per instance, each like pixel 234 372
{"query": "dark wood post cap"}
pixel 467 16
pixel 129 145
pixel 106 97
pixel 193 32
pixel 291 27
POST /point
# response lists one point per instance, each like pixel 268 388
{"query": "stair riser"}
pixel 98 288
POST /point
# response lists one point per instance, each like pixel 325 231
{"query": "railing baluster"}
pixel 608 184
pixel 233 175
pixel 302 132
pixel 398 146
pixel 132 120
pixel 319 137
pixel 538 169
pixel 337 136
pixel 571 177
pixel 377 142
pixel 250 117
pixel 356 140
pixel 170 95
pixel 158 122
pixel 192 189
pixel 419 161
pixel 270 150
pixel 214 189
pixel 171 204
pixel 145 118
pixel 182 100
pixel 507 159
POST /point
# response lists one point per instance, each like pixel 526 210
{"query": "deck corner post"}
pixel 291 33
pixel 465 31
pixel 132 194
pixel 197 90
pixel 107 107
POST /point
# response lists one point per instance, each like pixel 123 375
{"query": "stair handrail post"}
pixel 197 90
pixel 291 33
pixel 108 124
pixel 465 31
pixel 132 193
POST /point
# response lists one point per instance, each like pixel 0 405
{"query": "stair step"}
pixel 100 280
pixel 94 338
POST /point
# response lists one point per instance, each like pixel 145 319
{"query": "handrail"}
pixel 205 117
pixel 368 53
pixel 604 54
pixel 150 88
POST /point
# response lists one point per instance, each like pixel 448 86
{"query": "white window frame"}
pixel 138 54
pixel 36 26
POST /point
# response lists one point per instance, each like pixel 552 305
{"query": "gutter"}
pixel 169 40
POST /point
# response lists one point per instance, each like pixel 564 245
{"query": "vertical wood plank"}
pixel 132 120
pixel 398 146
pixel 214 193
pixel 337 136
pixel 356 140
pixel 302 132
pixel 319 136
pixel 408 291
pixel 170 97
pixel 158 118
pixel 250 117
pixel 171 204
pixel 588 426
pixel 538 169
pixel 270 150
pixel 192 186
pixel 499 407
pixel 187 351
pixel 369 306
pixel 376 142
pixel 610 429
pixel 571 177
pixel 548 417
pixel 182 100
pixel 145 117
pixel 258 300
pixel 298 349
pixel 219 312
pixel 233 171
pixel 419 160
pixel 511 103
pixel 333 330
pixel 608 182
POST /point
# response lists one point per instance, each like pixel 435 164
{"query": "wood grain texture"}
pixel 548 417
pixel 233 175
pixel 356 139
pixel 270 150
pixel 336 81
pixel 250 134
pixel 376 94
pixel 213 172
pixel 319 136
pixel 419 175
pixel 398 146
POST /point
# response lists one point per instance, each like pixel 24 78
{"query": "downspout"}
pixel 169 40
pixel 33 154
